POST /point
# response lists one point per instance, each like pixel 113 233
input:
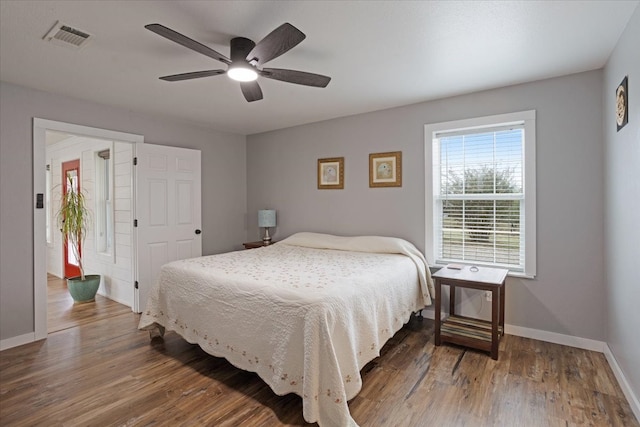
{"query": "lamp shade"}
pixel 266 218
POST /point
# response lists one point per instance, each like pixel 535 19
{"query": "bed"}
pixel 306 314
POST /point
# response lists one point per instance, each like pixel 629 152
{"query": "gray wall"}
pixel 565 297
pixel 223 189
pixel 622 213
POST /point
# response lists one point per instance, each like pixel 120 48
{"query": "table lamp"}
pixel 266 219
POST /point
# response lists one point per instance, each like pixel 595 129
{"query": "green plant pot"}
pixel 84 290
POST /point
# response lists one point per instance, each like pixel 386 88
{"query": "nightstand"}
pixel 476 333
pixel 254 245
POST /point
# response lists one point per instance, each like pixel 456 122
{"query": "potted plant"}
pixel 73 219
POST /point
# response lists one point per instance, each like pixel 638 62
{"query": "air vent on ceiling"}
pixel 64 35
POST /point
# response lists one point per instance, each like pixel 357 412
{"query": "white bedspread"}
pixel 305 314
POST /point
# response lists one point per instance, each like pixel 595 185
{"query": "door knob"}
pixel 198 231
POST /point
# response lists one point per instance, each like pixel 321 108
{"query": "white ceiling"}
pixel 379 54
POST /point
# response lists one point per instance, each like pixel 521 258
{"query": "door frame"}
pixel 40 126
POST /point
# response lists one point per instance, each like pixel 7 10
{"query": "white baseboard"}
pixel 16 341
pixel 622 380
pixel 427 313
pixel 537 334
pixel 553 337
pixel 113 298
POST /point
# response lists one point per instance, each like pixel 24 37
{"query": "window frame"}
pixel 100 165
pixel 528 121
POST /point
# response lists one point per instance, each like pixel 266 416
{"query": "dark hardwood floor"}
pixel 102 371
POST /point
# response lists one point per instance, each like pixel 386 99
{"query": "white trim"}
pixel 528 120
pixel 540 335
pixel 39 236
pixel 114 298
pixel 553 337
pixel 87 131
pixel 16 341
pixel 40 126
pixel 99 170
pixel 622 380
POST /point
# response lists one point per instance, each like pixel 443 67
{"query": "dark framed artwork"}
pixel 622 104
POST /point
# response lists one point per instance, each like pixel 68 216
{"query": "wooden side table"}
pixel 254 245
pixel 470 332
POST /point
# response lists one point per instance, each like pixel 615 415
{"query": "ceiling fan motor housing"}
pixel 240 48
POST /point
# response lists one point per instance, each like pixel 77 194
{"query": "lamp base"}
pixel 266 240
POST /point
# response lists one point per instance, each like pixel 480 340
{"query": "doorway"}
pixel 97 168
pixel 41 226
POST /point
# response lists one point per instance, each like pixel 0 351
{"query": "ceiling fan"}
pixel 246 59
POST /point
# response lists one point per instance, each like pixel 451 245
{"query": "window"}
pixel 483 192
pixel 104 202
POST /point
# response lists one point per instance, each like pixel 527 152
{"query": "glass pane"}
pixel 71 256
pixel 72 186
pixel 487 163
pixel 48 208
pixel 482 163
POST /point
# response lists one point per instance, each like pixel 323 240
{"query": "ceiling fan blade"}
pixel 193 75
pixel 297 77
pixel 251 91
pixel 277 42
pixel 185 41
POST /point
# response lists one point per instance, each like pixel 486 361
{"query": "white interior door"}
pixel 168 212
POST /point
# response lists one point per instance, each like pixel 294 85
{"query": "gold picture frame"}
pixel 385 169
pixel 331 173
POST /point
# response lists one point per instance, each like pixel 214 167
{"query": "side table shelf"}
pixel 460 328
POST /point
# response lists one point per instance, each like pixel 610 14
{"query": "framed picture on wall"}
pixel 331 173
pixel 385 169
pixel 622 104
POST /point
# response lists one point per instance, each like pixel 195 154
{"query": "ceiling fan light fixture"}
pixel 242 73
pixel 246 59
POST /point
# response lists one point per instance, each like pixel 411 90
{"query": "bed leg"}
pixel 157 331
